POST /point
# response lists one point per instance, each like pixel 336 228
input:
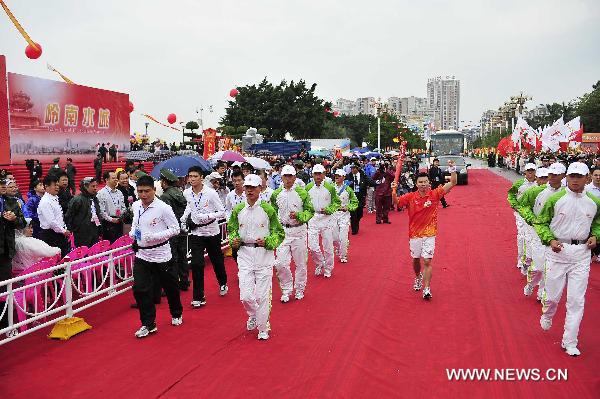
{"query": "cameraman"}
pixel 112 208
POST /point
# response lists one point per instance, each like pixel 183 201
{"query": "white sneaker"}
pixel 571 350
pixel 299 295
pixel 426 293
pixel 263 335
pixel 540 295
pixel 545 323
pixel 524 270
pixel 177 321
pixel 318 270
pixel 418 282
pixel 285 298
pixel 145 331
pixel 198 304
pixel 528 289
pixel 327 274
pixel 251 323
pixel 343 260
pixel 223 290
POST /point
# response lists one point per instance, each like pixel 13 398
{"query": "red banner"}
pixel 210 136
pixel 50 119
pixel 4 126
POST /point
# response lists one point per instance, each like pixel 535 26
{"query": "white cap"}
pixel 541 172
pixel 214 176
pixel 557 168
pixel 252 180
pixel 373 159
pixel 578 168
pixel 288 170
pixel 530 166
pixel 340 172
pixel 318 168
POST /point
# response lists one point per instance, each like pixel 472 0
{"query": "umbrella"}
pixel 372 155
pixel 180 165
pixel 264 152
pixel 139 155
pixel 229 156
pixel 258 163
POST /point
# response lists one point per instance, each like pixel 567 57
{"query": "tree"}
pixel 192 125
pixel 554 112
pixel 392 128
pixel 589 110
pixel 490 139
pixel 292 107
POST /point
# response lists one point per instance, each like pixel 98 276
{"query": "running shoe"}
pixel 545 323
pixel 285 298
pixel 177 321
pixel 264 335
pixel 327 274
pixel 299 295
pixel 528 289
pixel 318 270
pixel 343 260
pixel 426 293
pixel 199 304
pixel 145 331
pixel 571 350
pixel 223 290
pixel 418 282
pixel 251 323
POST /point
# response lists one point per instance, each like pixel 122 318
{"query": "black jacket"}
pixel 64 198
pixel 436 176
pixel 173 196
pixel 79 219
pixel 364 182
pixel 7 229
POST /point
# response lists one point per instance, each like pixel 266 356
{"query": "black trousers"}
pixel 212 244
pixel 112 231
pixel 145 275
pixel 55 239
pixel 180 263
pixel 383 203
pixel 356 215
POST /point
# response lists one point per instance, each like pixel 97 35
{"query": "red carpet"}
pixel 364 333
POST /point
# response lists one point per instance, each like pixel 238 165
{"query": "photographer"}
pixel 383 192
pixel 112 208
pixel 82 216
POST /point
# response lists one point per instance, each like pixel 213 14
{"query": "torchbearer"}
pixel 341 218
pixel 514 194
pixel 422 223
pixel 294 209
pixel 154 223
pixel 255 231
pixel 569 224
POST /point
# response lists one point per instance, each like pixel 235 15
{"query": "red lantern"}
pixel 327 110
pixel 233 93
pixel 172 118
pixel 131 108
pixel 336 113
pixel 32 53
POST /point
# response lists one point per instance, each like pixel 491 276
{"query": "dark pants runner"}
pixel 145 275
pixel 212 244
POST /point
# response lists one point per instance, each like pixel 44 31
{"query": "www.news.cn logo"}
pixel 508 374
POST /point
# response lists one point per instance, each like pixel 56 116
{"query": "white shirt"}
pixel 288 201
pixel 266 195
pixel 541 198
pixel 50 214
pixel 253 222
pixel 526 184
pixel 320 197
pixel 592 189
pixel 112 203
pixel 205 207
pixel 344 196
pixel 133 183
pixel 232 200
pixel 29 250
pixel 156 224
pixel 573 215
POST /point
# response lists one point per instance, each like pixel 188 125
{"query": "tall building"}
pixel 394 104
pixel 413 106
pixel 365 105
pixel 443 99
pixel 344 107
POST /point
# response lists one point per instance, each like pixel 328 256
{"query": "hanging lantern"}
pixel 233 93
pixel 33 53
pixel 172 118
pixel 336 113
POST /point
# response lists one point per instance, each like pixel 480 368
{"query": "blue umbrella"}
pixel 180 165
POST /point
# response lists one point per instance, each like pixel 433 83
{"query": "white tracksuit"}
pixel 255 265
pixel 321 225
pixel 534 246
pixel 521 224
pixel 341 224
pixel 294 245
pixel 571 219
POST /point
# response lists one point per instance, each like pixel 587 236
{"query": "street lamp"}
pixel 147 123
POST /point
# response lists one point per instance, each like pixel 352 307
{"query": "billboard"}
pixel 50 119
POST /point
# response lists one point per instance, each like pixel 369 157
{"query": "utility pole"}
pixel 378 132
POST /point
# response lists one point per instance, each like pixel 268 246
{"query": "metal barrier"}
pixel 77 284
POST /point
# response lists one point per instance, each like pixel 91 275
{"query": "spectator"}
pixel 13 191
pixel 82 217
pixel 55 168
pixel 29 250
pixel 112 208
pixel 64 193
pixel 102 151
pixel 31 206
pixel 98 167
pixel 54 231
pixel 129 196
pixel 112 152
pixel 71 174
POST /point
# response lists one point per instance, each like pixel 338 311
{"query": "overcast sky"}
pixel 174 56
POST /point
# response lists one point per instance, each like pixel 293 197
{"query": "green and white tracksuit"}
pixel 294 245
pixel 255 264
pixel 341 219
pixel 530 206
pixel 514 194
pixel 325 203
pixel 570 218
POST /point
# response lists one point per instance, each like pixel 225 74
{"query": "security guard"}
pixel 173 196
